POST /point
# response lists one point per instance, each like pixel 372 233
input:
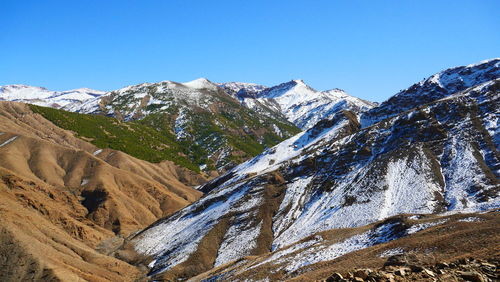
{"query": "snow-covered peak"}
pixel 295 89
pixel 20 91
pixel 200 83
pixel 299 81
pixel 44 97
pixel 295 101
pixel 336 91
pixel 484 62
pixel 460 78
pixel 437 86
pixel 303 105
pixel 85 91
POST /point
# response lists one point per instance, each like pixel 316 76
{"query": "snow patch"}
pixel 470 219
pixel 8 141
pixel 84 181
pixel 184 231
pixel 398 199
pixel 391 252
pixel 311 256
pixel 422 226
pixel 238 242
pixel 294 200
pixel 180 125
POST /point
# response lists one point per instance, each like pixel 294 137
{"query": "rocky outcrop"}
pixel 400 269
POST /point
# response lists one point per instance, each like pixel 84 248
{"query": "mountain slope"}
pixel 438 157
pixel 44 236
pixel 398 247
pixel 299 103
pixel 435 87
pixel 216 130
pixel 44 97
pixel 61 198
pixel 108 132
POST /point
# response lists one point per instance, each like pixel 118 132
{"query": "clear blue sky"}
pixel 372 49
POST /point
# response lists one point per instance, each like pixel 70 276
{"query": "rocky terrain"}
pixel 398 269
pixel 440 156
pixel 400 248
pixel 217 131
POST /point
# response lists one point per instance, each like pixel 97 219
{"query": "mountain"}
pixel 66 203
pixel 296 101
pixel 224 133
pixel 435 87
pixel 44 97
pixel 218 132
pixel 432 154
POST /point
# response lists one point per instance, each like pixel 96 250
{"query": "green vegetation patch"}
pixel 133 138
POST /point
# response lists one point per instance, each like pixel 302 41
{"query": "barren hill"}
pixel 61 197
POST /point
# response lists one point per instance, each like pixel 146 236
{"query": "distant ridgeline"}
pixel 199 125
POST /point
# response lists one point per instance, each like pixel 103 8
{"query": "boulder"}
pixel 396 260
pixel 335 277
pixel 442 265
pixel 362 273
pixel 428 272
pixel 471 276
pixel 402 271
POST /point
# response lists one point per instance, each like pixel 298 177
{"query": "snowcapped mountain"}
pixel 44 97
pixel 137 101
pixel 431 153
pixel 435 87
pixel 298 102
pixel 217 129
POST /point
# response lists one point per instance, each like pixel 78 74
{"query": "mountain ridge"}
pixel 341 174
pixel 298 102
pixel 43 97
pixel 263 99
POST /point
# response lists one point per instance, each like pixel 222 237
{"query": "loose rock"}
pixel 471 276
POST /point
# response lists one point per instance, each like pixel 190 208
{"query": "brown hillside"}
pixel 61 196
pixel 454 240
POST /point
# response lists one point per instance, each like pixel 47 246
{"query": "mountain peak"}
pixel 299 81
pixel 483 62
pixel 435 87
pixel 200 83
pixel 285 87
pixel 20 86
